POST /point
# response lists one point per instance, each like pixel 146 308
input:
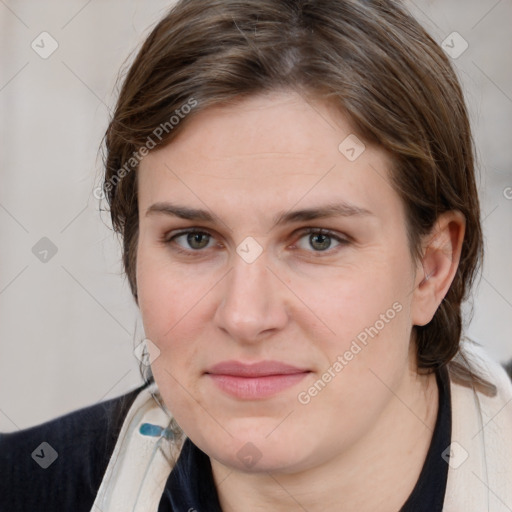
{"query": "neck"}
pixel 378 472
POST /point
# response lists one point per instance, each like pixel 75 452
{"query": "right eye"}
pixel 192 240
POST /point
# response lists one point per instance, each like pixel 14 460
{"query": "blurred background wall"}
pixel 68 324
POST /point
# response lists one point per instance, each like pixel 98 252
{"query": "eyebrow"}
pixel 342 209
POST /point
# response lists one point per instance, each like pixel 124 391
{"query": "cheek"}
pixel 173 315
pixel 366 358
pixel 167 298
pixel 366 298
pixel 369 311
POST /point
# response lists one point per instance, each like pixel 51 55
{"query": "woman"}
pixel 294 185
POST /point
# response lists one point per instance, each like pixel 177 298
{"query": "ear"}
pixel 441 250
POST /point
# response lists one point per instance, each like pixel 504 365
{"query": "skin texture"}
pixel 370 427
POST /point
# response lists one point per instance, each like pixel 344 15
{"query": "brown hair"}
pixel 371 58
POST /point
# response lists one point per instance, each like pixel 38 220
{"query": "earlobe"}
pixel 438 265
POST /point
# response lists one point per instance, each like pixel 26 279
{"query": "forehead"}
pixel 267 153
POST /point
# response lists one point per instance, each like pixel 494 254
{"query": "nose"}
pixel 253 303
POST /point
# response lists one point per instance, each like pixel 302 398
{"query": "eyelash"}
pixel 342 241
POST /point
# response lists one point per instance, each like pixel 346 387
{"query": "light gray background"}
pixel 68 326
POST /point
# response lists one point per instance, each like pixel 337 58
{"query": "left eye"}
pixel 319 241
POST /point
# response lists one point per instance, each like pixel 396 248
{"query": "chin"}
pixel 254 452
pixel 250 459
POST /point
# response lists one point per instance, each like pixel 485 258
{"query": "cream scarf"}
pixel 479 477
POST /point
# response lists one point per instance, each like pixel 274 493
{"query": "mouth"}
pixel 257 380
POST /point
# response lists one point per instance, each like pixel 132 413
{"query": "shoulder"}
pixel 58 465
pixel 488 368
pixel 481 449
pixel 474 368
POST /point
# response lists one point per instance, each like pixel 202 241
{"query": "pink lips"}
pixel 257 380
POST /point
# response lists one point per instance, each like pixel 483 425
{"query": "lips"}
pixel 260 369
pixel 255 381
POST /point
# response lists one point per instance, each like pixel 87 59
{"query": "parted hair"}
pixel 370 59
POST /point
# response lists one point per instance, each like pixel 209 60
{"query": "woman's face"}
pixel 285 321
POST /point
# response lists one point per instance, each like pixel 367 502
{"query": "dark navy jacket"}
pixel 83 440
